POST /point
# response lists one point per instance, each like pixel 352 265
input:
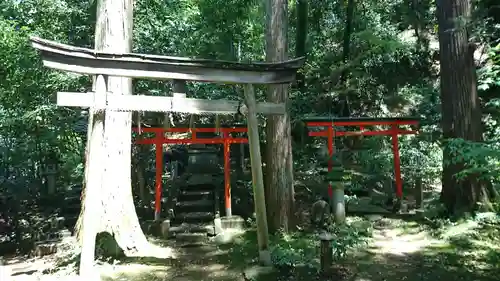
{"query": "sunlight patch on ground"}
pixel 115 272
pixel 401 240
pixel 459 229
pixel 195 272
pixel 133 272
pixel 159 252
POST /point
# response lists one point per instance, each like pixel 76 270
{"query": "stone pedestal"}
pixel 232 222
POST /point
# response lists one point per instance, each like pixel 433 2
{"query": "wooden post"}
pixel 158 175
pixel 397 162
pixel 326 252
pixel 330 144
pixel 257 176
pixel 93 181
pixel 419 193
pixel 227 175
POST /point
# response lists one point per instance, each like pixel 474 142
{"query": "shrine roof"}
pixel 89 61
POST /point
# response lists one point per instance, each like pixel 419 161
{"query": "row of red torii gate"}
pixel 327 130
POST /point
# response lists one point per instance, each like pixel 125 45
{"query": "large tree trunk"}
pixel 279 165
pixel 119 218
pixel 460 103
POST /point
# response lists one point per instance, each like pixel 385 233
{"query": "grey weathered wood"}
pixel 88 61
pixel 93 183
pixel 257 176
pixel 163 104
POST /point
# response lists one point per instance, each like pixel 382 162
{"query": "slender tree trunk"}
pixel 279 164
pixel 346 45
pixel 346 50
pixel 460 103
pixel 301 38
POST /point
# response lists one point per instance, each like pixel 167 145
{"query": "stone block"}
pixel 232 222
pixel 165 229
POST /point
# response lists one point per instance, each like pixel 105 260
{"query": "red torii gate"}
pixel 159 139
pixel 362 122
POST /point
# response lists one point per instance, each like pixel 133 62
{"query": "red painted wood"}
pixel 227 174
pixel 191 141
pixel 361 123
pixel 324 133
pixel 394 132
pixel 160 139
pixel 185 130
pixel 397 162
pixel 158 175
pixel 330 137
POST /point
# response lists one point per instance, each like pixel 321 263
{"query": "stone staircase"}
pixel 71 205
pixel 195 203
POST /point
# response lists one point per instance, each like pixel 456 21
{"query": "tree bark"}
pixel 301 38
pixel 114 34
pixel 91 207
pixel 119 218
pixel 461 114
pixel 346 50
pixel 279 165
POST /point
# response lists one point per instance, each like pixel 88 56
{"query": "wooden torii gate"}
pixel 103 64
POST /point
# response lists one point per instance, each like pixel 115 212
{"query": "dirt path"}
pixel 197 263
pixel 398 250
pixel 405 251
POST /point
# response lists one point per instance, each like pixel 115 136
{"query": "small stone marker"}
pixel 326 252
pixel 165 228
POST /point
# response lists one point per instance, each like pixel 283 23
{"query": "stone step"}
pixel 192 228
pixel 197 187
pixel 68 209
pixel 72 199
pixel 203 179
pixel 193 217
pixel 192 237
pixel 194 206
pixel 191 195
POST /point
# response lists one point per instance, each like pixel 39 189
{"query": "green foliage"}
pixel 489 75
pixel 390 72
pixel 301 248
pixel 479 159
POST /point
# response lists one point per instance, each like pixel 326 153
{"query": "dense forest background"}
pixel 438 61
pixel 370 58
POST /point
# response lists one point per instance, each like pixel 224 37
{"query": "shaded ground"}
pixel 405 251
pixel 397 250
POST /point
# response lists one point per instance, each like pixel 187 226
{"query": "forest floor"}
pixel 394 250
